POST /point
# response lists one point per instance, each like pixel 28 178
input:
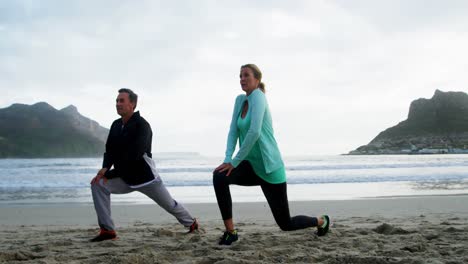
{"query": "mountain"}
pixel 436 125
pixel 41 131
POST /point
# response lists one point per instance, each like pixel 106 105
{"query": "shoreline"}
pixel 149 202
pixel 242 194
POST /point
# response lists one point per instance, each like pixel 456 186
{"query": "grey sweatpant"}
pixel 156 191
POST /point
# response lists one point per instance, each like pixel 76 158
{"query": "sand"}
pixel 431 229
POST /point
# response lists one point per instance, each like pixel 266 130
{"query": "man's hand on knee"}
pixel 99 176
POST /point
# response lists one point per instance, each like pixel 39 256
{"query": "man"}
pixel 128 149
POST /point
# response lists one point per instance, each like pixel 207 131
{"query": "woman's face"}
pixel 247 80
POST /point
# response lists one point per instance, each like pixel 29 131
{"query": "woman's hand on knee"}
pixel 225 167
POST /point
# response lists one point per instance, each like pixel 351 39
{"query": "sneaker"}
pixel 193 227
pixel 323 230
pixel 104 235
pixel 228 238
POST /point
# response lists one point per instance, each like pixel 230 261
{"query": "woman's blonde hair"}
pixel 257 74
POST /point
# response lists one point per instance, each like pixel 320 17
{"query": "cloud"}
pixel 337 72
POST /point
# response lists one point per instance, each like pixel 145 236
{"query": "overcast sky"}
pixel 336 72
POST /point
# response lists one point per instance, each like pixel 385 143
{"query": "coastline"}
pixel 240 194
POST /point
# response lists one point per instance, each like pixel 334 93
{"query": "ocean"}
pixel 189 178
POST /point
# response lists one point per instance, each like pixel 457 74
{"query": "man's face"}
pixel 123 105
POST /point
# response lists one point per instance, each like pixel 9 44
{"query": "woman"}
pixel 258 161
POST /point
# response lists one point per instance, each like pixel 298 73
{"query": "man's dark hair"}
pixel 131 95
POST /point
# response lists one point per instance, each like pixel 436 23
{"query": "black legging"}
pixel 275 194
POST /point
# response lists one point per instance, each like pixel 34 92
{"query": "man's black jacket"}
pixel 125 147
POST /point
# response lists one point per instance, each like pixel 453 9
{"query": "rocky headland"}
pixel 434 126
pixel 41 131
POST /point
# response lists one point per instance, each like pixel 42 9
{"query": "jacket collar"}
pixel 133 118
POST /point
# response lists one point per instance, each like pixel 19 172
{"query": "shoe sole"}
pixel 224 245
pixel 113 239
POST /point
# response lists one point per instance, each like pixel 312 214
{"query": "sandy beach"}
pixel 429 229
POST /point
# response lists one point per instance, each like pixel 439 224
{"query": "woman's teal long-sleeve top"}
pixel 259 139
